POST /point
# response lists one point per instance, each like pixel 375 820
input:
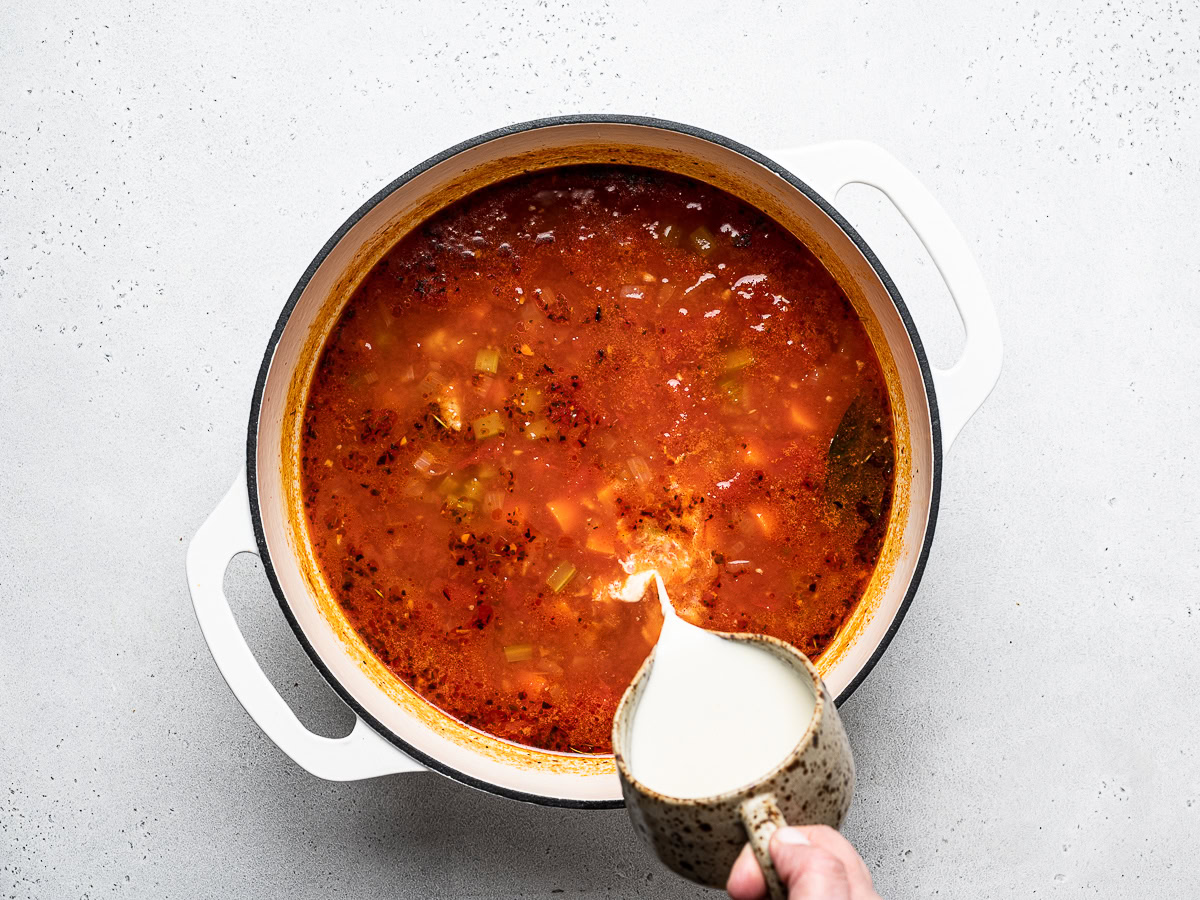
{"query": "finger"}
pixel 746 878
pixel 832 842
pixel 809 872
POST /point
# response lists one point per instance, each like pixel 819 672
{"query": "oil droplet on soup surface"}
pixel 715 714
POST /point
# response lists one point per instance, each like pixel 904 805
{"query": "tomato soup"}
pixel 563 379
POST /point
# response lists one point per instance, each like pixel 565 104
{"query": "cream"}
pixel 715 714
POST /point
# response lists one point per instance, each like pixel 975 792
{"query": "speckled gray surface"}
pixel 166 173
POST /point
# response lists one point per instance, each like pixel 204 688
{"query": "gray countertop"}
pixel 166 174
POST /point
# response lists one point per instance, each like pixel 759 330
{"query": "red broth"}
pixel 568 376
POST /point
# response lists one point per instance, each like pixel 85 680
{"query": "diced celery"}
pixel 488 426
pixel 736 360
pixel 487 360
pixel 561 576
pixel 541 428
pixel 734 389
pixel 530 399
pixel 473 489
pixel 461 507
pixel 518 652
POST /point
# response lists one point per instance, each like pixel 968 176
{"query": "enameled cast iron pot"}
pixel 397 731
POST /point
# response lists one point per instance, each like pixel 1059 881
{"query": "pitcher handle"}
pixel 761 818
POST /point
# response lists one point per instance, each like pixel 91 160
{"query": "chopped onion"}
pixel 483 384
pixel 493 500
pixel 702 241
pixel 451 411
pixel 640 469
pixel 672 236
pixel 426 463
pixel 487 360
pixel 488 426
pixel 432 385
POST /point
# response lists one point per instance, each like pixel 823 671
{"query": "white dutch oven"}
pixel 396 730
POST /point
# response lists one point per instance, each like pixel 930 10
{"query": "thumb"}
pixel 808 872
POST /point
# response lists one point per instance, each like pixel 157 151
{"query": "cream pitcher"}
pixel 722 739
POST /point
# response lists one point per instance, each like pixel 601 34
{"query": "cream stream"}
pixel 715 715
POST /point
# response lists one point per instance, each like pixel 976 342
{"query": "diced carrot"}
pixel 565 513
pixel 607 494
pixel 601 543
pixel 532 682
pixel 766 519
pixel 801 418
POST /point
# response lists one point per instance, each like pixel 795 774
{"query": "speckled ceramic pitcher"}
pixel 700 839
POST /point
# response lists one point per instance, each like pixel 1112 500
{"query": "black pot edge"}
pixel 663 124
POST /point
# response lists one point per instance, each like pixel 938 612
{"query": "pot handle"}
pixel 962 388
pixel 227 532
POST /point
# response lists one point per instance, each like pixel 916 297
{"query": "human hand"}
pixel 813 862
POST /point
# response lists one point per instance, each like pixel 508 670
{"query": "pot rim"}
pixel 423 758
